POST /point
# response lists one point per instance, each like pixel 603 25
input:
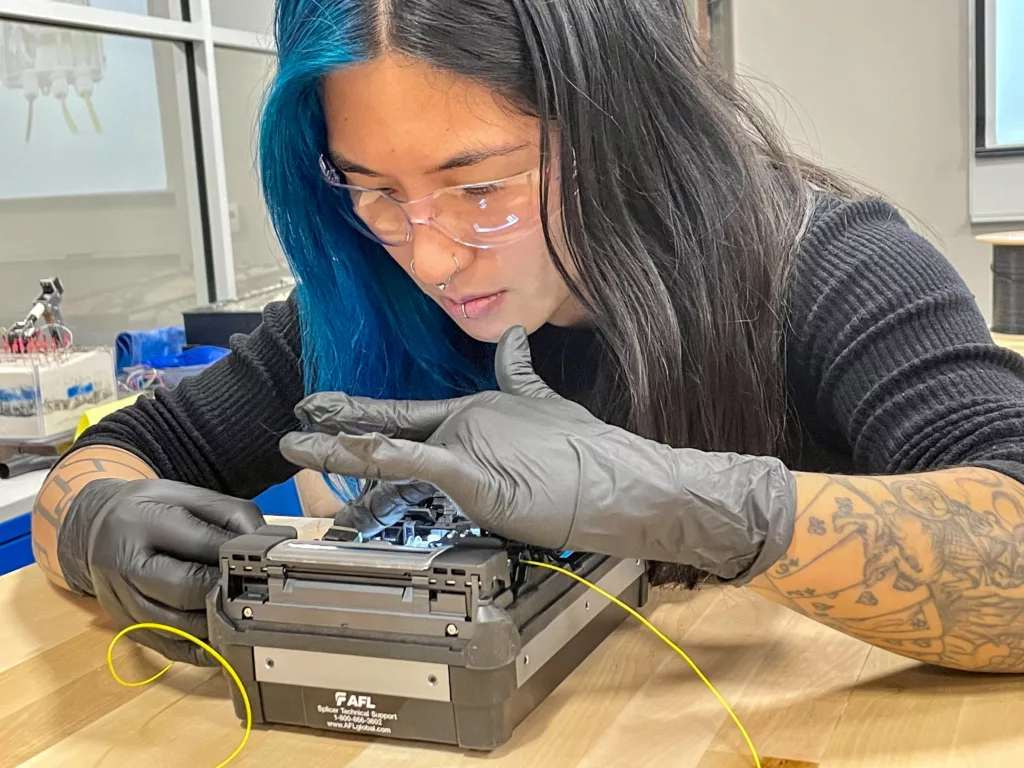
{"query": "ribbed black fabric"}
pixel 890 369
pixel 220 429
pixel 889 358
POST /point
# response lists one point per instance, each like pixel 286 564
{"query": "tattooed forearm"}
pixel 60 489
pixel 929 566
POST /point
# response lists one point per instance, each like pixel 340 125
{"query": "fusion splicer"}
pixel 432 631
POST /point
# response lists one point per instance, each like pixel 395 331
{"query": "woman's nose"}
pixel 436 257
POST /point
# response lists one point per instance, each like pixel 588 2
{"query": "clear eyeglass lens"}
pixel 487 217
pixel 484 216
pixel 384 217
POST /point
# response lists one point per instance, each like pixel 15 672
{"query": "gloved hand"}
pixel 381 505
pixel 148 550
pixel 532 466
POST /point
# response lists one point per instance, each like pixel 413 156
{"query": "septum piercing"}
pixel 446 283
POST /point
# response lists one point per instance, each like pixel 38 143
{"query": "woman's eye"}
pixel 488 189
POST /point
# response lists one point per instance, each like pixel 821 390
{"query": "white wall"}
pixel 242 77
pixel 250 15
pixel 878 89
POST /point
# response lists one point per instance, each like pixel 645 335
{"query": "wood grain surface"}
pixel 809 697
pixel 1003 238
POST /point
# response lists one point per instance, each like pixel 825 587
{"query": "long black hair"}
pixel 682 210
pixel 681 206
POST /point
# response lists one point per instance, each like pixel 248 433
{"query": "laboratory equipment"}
pixel 45 61
pixel 46 383
pixel 432 631
pixel 46 310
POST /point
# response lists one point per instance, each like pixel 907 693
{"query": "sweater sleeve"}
pixel 889 355
pixel 220 429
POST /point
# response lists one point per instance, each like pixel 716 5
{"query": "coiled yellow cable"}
pixel 248 709
pixel 223 662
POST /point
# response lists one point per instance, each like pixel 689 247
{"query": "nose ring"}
pixel 446 283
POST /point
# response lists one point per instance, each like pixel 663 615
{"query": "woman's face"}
pixel 396 124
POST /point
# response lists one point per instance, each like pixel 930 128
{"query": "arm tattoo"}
pixel 61 487
pixel 930 566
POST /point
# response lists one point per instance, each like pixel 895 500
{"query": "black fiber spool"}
pixel 1008 289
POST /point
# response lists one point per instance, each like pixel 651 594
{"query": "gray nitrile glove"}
pixel 149 550
pixel 529 465
pixel 381 505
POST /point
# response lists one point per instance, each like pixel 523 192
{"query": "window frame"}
pixel 996 173
pixel 192 28
pixel 984 86
pixel 996 195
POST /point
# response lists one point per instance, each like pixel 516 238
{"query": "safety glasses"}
pixel 483 215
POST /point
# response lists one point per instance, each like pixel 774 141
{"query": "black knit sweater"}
pixel 890 369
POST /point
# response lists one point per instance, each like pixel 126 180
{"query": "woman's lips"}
pixel 473 307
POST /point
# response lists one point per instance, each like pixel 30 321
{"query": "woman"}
pixel 709 355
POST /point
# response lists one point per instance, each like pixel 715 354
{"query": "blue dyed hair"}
pixel 367 329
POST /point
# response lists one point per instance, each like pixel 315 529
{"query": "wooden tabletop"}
pixel 807 695
pixel 1003 238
